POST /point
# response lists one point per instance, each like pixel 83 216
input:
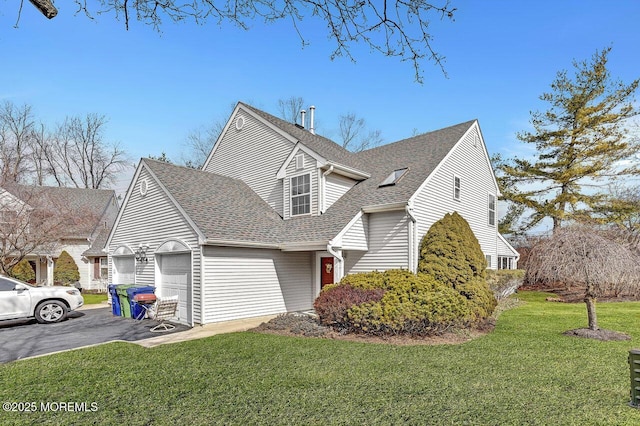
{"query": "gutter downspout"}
pixel 413 232
pixel 339 268
pixel 324 186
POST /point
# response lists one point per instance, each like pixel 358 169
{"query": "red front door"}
pixel 326 271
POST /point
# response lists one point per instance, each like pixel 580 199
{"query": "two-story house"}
pixel 278 211
pixel 82 218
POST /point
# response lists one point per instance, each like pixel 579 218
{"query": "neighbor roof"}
pixel 90 204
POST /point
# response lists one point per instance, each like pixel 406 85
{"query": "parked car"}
pixel 47 304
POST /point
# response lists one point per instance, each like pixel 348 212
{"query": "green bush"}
pixel 417 305
pixel 65 270
pixel 450 252
pixel 480 298
pixel 23 271
pixel 504 282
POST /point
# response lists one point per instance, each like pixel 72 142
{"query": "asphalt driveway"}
pixel 27 338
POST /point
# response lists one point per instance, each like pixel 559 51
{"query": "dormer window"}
pixel 394 177
pixel 301 195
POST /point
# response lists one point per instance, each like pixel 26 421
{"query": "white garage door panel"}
pixel 175 280
pixel 124 270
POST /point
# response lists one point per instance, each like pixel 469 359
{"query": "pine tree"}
pixel 23 271
pixel 450 252
pixel 581 142
pixel 65 270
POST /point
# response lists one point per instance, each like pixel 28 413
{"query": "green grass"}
pixel 92 299
pixel 525 372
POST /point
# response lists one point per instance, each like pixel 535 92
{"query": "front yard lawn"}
pixel 524 372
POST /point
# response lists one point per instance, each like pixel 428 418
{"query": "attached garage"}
pixel 174 277
pixel 124 266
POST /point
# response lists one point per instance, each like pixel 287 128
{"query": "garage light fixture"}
pixel 141 253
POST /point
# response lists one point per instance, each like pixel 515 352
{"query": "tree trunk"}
pixel 591 312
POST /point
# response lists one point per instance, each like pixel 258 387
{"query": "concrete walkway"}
pixel 207 330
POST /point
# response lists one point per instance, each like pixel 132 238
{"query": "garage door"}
pixel 175 280
pixel 124 270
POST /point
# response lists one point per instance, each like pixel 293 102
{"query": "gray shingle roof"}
pixel 228 209
pixel 223 208
pixel 92 204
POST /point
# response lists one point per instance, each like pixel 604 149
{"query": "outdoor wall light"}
pixel 141 253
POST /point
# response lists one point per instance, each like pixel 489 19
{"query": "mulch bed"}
pixel 601 334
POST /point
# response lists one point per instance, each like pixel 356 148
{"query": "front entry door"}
pixel 326 271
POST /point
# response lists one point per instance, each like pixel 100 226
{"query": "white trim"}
pixel 457 189
pixel 299 146
pixel 186 248
pixel 377 208
pixel 299 195
pixel 495 210
pixel 509 246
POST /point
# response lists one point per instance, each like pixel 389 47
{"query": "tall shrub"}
pixel 65 271
pixel 23 271
pixel 450 252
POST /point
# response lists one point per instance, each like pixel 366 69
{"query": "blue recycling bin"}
pixel 115 300
pixel 137 311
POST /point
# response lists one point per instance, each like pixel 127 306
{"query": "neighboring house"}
pixel 277 212
pixel 88 216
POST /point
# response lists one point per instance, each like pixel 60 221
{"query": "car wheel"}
pixel 51 311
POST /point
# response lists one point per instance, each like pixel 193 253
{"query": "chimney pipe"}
pixel 312 111
pixel 303 115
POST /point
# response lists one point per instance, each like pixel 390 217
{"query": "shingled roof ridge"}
pixel 463 125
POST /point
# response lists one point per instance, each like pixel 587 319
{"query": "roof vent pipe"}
pixel 303 115
pixel 312 111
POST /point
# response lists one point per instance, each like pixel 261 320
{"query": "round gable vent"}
pixel 144 187
pixel 239 123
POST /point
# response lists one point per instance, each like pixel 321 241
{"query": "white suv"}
pixel 46 304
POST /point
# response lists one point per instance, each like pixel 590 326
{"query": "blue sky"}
pixel 155 88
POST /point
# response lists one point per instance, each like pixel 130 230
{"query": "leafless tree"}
pixel 79 156
pixel 582 256
pixel 399 29
pixel 290 108
pixel 17 125
pixel 354 134
pixel 33 222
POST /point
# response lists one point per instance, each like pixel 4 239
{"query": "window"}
pixel 6 285
pixel 505 262
pixel 299 161
pixel 492 210
pixel 301 195
pixel 456 188
pixel 394 177
pixel 488 257
pixel 103 272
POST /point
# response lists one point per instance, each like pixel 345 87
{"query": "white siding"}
pixel 335 187
pixel 243 283
pixel 357 235
pixel 310 167
pixel 388 244
pixel 468 162
pixel 254 155
pixel 153 219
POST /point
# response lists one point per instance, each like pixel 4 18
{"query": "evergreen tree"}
pixel 450 252
pixel 65 271
pixel 581 142
pixel 23 271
